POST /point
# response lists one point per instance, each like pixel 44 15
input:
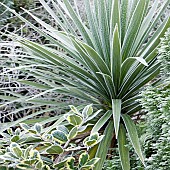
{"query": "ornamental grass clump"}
pixel 105 62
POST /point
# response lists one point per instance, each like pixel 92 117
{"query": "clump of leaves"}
pixel 65 147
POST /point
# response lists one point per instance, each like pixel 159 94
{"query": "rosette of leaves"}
pixel 106 61
pixel 64 147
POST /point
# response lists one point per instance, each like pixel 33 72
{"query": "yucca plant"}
pixel 106 61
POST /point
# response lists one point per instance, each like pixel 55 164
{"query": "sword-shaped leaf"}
pixel 131 129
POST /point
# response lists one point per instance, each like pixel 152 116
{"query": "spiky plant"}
pixel 106 61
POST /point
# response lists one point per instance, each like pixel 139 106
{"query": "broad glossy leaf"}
pixel 59 136
pixel 15 138
pixel 55 149
pixel 39 165
pixel 74 109
pixel 75 120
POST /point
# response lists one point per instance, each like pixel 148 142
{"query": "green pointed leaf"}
pixel 74 109
pixel 16 149
pixel 128 64
pixel 124 17
pixel 96 58
pixel 55 149
pixel 123 150
pixel 87 111
pixel 104 146
pixel 75 120
pixel 116 59
pixel 73 133
pixel 131 129
pixel 27 151
pixel 116 110
pixel 133 28
pixel 103 28
pixel 77 21
pixel 100 123
pixel 115 15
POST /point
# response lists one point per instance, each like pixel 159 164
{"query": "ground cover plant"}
pixel 106 61
pixel 33 148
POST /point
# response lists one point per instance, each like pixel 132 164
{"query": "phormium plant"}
pixel 106 62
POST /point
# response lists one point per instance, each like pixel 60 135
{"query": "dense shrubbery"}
pixel 164 58
pixel 65 147
pixel 156 101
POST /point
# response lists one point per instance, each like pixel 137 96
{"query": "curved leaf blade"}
pixel 116 110
pixel 123 150
pixel 131 129
pixel 101 121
